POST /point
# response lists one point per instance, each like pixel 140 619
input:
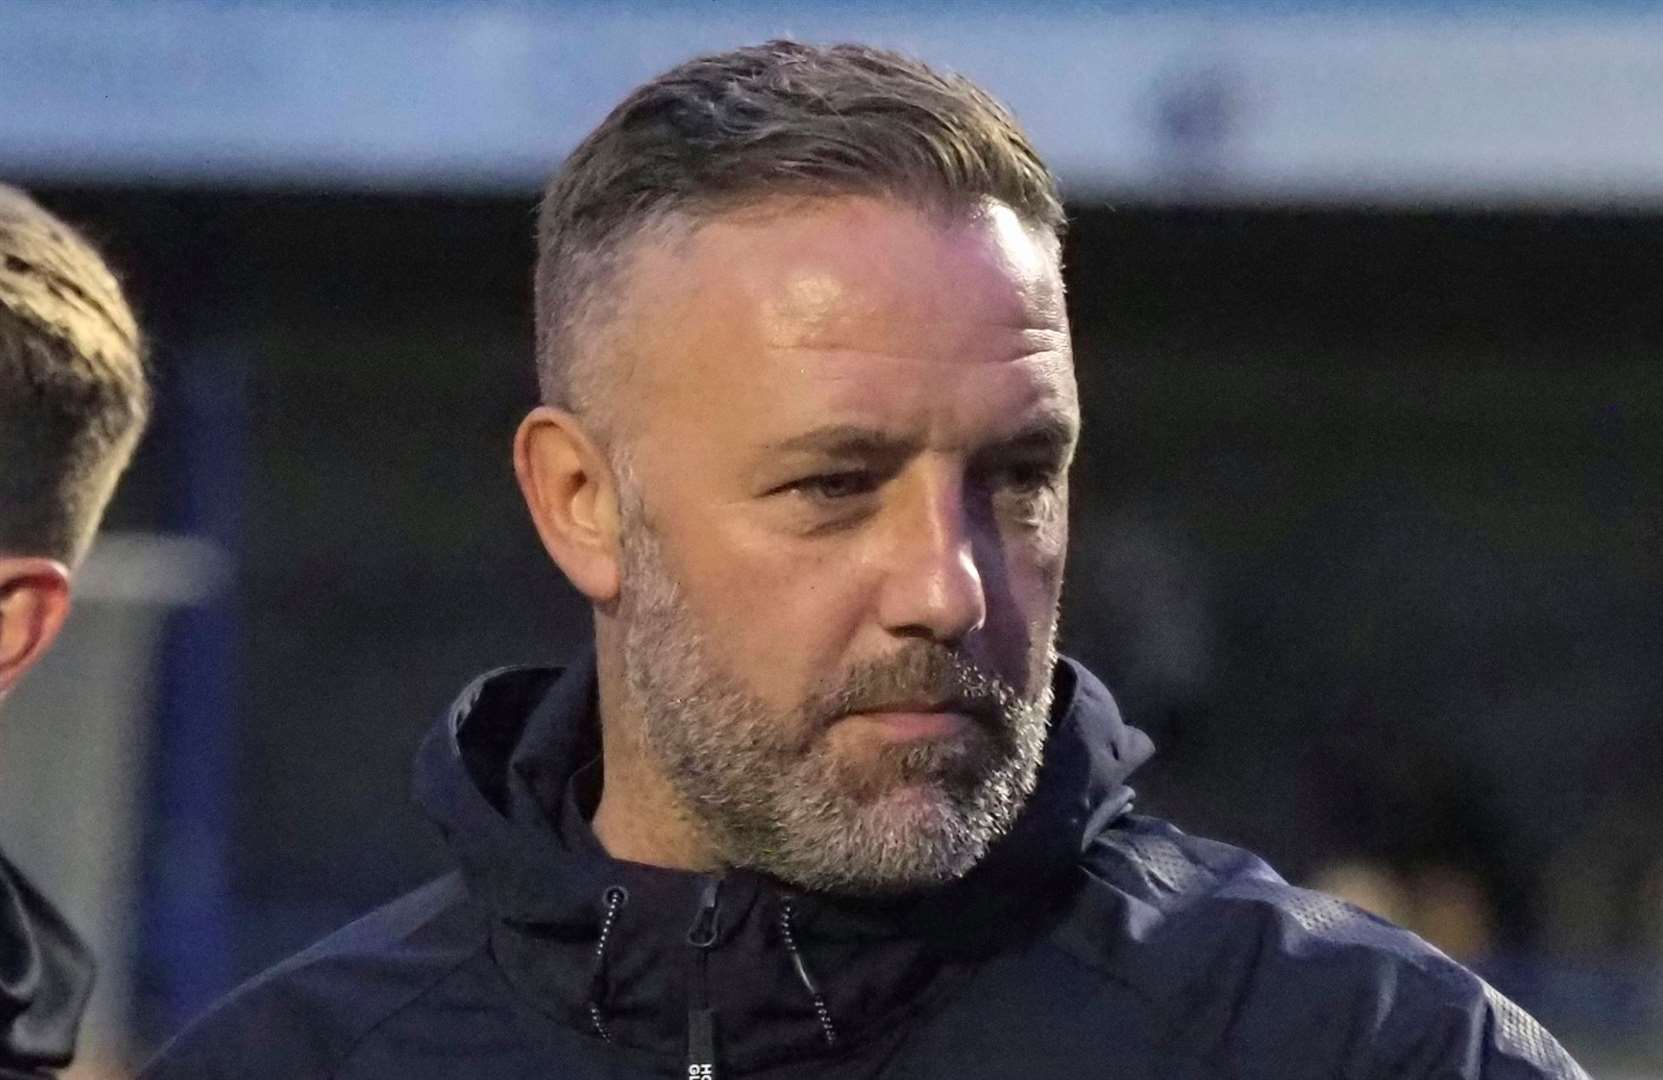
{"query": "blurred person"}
pixel 1446 905
pixel 73 401
pixel 824 800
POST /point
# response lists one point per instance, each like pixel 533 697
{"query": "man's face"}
pixel 845 520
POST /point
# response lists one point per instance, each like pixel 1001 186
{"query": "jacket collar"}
pixel 45 976
pixel 509 777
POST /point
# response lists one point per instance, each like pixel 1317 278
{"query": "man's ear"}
pixel 572 494
pixel 34 601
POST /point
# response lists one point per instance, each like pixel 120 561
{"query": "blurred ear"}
pixel 572 494
pixel 34 601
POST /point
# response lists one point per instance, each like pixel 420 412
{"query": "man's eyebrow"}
pixel 1055 431
pixel 843 440
pixel 1050 431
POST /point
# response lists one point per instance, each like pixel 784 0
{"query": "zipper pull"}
pixel 702 934
pixel 701 1019
pixel 701 1044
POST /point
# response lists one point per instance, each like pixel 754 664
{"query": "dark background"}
pixel 1368 535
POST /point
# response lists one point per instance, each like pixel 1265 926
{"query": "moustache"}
pixel 920 678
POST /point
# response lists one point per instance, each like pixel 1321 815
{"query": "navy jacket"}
pixel 1091 942
pixel 45 977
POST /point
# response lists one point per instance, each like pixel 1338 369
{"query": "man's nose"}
pixel 933 585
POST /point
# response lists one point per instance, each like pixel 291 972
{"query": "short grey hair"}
pixel 733 129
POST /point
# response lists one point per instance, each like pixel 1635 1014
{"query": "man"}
pixel 73 401
pixel 824 801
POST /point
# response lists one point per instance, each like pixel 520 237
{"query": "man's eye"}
pixel 1027 479
pixel 831 487
pixel 1028 493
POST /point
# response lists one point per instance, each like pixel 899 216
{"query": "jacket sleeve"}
pixel 1473 1034
pixel 244 1039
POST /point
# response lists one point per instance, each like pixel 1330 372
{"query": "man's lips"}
pixel 909 723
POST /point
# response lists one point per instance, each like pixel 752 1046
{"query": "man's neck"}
pixel 638 820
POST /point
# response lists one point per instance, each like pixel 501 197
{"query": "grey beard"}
pixel 769 791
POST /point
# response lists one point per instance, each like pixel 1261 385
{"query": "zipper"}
pixel 701 1018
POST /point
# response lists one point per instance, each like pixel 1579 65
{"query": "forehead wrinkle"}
pixel 1038 343
pixel 840 316
pixel 820 309
pixel 1041 409
pixel 1051 365
pixel 813 299
pixel 823 296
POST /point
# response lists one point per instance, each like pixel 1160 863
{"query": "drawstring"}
pixel 788 934
pixel 615 897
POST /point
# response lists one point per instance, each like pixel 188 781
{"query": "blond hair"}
pixel 73 394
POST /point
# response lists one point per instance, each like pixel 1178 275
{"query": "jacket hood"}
pixel 604 945
pixel 45 976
